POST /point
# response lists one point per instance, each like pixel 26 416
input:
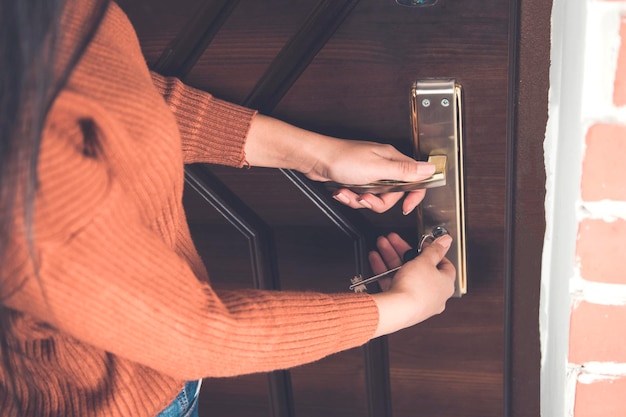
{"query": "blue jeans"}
pixel 186 402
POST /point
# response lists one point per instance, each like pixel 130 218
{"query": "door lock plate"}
pixel 437 127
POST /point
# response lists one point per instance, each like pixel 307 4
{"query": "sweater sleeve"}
pixel 117 287
pixel 212 130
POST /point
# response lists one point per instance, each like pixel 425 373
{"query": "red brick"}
pixel 597 334
pixel 604 168
pixel 619 92
pixel 603 398
pixel 600 250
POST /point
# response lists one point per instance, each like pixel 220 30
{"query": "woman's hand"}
pixel 357 162
pixel 276 144
pixel 419 290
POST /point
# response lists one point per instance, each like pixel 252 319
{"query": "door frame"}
pixel 525 214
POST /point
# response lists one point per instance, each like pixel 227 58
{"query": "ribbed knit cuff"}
pixel 269 330
pixel 212 130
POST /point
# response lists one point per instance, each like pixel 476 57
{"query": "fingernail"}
pixel 445 241
pixel 426 169
pixel 407 212
pixel 365 204
pixel 341 198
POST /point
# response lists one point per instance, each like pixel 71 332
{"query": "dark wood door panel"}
pixel 246 45
pixel 276 199
pixel 332 387
pixel 447 366
pixel 158 22
pixel 243 396
pixel 325 389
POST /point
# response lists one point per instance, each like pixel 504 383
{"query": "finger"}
pixel 348 198
pixel 398 166
pixel 379 203
pixel 400 245
pixel 390 255
pixel 412 200
pixel 385 283
pixel 447 268
pixel 376 263
pixel 436 251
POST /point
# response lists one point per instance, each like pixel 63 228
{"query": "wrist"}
pixel 319 157
pixel 275 144
pixel 395 310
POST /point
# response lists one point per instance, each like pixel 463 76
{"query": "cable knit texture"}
pixel 121 311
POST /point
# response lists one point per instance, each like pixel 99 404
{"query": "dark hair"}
pixel 27 39
pixel 32 73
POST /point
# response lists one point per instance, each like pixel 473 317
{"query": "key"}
pixel 358 284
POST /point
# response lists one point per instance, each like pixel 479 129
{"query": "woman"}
pixel 107 309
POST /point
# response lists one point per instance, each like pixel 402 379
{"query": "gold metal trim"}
pixel 437 127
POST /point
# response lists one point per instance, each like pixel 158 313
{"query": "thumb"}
pixel 406 170
pixel 435 252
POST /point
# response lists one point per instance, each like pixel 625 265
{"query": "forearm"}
pixel 275 144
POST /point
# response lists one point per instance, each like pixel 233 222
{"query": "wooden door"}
pixel 345 68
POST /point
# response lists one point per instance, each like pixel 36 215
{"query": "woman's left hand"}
pixel 357 162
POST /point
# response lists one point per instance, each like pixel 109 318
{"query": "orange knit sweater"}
pixel 121 311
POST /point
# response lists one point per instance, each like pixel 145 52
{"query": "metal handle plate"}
pixel 437 125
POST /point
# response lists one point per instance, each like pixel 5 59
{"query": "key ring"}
pixel 437 232
pixel 358 284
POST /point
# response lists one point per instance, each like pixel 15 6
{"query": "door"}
pixel 345 68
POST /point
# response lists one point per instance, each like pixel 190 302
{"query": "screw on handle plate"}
pixel 358 284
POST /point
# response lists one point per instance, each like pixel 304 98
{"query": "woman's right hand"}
pixel 419 290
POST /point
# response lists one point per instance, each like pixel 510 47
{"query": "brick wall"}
pixel 597 333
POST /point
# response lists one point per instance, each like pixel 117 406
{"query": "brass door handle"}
pixel 438 179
